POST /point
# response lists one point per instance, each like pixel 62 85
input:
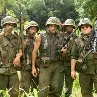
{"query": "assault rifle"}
pixel 68 38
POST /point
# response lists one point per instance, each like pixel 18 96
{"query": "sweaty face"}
pixel 32 30
pixel 52 28
pixel 86 29
pixel 9 27
pixel 69 28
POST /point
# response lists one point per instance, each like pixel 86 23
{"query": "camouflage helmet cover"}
pixel 53 20
pixel 8 19
pixel 32 24
pixel 69 22
pixel 85 21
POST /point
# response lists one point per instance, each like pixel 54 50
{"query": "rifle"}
pixel 68 38
pixel 22 34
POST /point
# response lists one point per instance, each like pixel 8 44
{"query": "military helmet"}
pixel 8 19
pixel 84 21
pixel 32 24
pixel 53 20
pixel 69 22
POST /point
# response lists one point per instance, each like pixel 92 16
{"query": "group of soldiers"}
pixel 46 59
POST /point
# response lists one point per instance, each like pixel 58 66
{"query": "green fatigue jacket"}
pixel 78 51
pixel 8 49
pixel 26 63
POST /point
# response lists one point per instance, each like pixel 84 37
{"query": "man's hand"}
pixel 34 72
pixel 16 61
pixel 73 74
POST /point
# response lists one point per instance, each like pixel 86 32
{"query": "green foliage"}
pixel 4 93
pixel 40 10
pixel 37 11
pixel 62 9
pixel 90 11
pixel 86 8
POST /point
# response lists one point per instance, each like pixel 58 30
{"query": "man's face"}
pixel 32 30
pixel 86 29
pixel 9 27
pixel 52 28
pixel 69 28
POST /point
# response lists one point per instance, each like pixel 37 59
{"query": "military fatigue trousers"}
pixel 86 84
pixel 65 73
pixel 10 82
pixel 27 81
pixel 68 81
pixel 48 80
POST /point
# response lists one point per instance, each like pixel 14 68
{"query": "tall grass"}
pixel 76 91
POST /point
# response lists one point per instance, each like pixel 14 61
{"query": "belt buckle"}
pixel 46 61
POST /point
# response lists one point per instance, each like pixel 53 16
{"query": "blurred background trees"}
pixel 41 10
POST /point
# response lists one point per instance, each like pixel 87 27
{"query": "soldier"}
pixel 88 69
pixel 8 58
pixel 69 26
pixel 48 45
pixel 31 30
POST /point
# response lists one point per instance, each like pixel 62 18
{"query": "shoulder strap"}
pixel 43 37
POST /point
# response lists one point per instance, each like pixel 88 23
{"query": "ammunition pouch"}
pixel 81 67
pixel 78 67
pixel 7 65
pixel 25 66
pixel 4 67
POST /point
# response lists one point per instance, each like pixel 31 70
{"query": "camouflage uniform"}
pixel 87 70
pixel 26 64
pixel 66 58
pixel 49 62
pixel 8 49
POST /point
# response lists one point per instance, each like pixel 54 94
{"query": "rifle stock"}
pixel 22 34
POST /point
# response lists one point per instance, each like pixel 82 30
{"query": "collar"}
pixel 51 34
pixel 84 37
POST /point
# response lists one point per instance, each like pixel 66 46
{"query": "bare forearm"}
pixel 34 56
pixel 35 51
pixel 73 64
